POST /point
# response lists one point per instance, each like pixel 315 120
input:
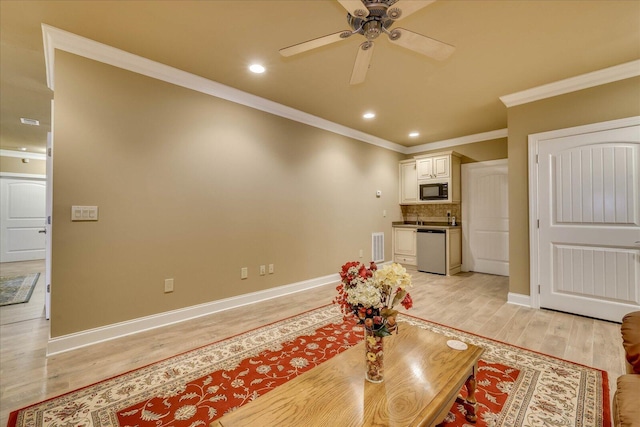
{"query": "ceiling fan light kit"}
pixel 370 18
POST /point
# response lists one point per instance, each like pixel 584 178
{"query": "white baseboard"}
pixel 93 336
pixel 519 299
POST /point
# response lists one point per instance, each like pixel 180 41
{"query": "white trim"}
pixel 584 81
pixel 533 222
pixel 534 141
pixel 93 336
pixel 22 154
pixel 478 137
pixel 22 175
pixel 519 299
pixel 55 38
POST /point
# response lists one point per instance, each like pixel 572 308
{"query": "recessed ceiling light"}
pixel 32 122
pixel 414 134
pixel 369 115
pixel 257 68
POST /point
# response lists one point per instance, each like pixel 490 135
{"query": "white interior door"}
pixel 589 232
pixel 485 222
pixel 21 219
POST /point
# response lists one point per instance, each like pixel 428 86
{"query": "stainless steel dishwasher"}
pixel 431 251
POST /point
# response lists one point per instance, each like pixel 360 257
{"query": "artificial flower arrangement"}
pixel 370 294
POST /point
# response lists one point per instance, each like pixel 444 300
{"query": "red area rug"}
pixel 516 387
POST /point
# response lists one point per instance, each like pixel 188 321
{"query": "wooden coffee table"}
pixel 423 377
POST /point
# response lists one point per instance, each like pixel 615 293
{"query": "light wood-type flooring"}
pixel 469 301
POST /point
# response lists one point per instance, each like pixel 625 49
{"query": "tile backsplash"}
pixel 433 212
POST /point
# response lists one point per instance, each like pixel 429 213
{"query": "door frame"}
pixel 466 168
pixel 48 225
pixel 534 141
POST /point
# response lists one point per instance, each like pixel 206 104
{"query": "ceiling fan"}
pixel 371 18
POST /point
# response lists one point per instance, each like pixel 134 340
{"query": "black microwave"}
pixel 434 191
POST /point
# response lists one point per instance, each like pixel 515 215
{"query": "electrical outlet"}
pixel 244 272
pixel 384 213
pixel 361 253
pixel 168 285
pixel 263 270
pixel 271 268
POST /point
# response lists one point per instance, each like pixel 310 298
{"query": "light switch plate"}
pixel 84 213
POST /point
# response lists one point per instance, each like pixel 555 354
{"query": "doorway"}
pixel 22 219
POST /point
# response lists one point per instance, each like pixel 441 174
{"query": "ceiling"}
pixel 502 47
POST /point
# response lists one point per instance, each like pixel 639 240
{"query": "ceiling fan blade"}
pixel 360 68
pixel 355 8
pixel 315 43
pixel 404 8
pixel 418 43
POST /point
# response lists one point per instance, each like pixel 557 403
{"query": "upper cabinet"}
pixel 440 168
pixel 433 167
pixel 408 182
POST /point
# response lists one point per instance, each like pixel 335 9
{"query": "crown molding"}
pixel 572 84
pixel 446 143
pixel 55 38
pixel 23 155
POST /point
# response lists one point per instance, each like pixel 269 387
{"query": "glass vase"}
pixel 374 356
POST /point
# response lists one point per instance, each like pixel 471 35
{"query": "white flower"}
pixel 367 295
pixel 393 275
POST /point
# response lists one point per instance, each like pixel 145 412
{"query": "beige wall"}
pixel 607 102
pixel 15 165
pixel 193 188
pixel 476 152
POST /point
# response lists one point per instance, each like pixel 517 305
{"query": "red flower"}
pixel 407 302
pixel 364 272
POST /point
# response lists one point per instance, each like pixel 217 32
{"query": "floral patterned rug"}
pixel 516 387
pixel 17 289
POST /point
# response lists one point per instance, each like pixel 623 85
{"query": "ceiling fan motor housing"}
pixel 376 22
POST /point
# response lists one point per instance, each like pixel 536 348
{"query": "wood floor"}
pixel 469 301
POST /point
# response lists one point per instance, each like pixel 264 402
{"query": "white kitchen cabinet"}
pixel 408 182
pixel 404 245
pixel 454 251
pixel 433 167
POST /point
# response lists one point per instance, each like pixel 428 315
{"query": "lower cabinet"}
pixel 404 245
pixel 454 251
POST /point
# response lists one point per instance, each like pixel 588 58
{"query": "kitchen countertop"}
pixel 436 225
